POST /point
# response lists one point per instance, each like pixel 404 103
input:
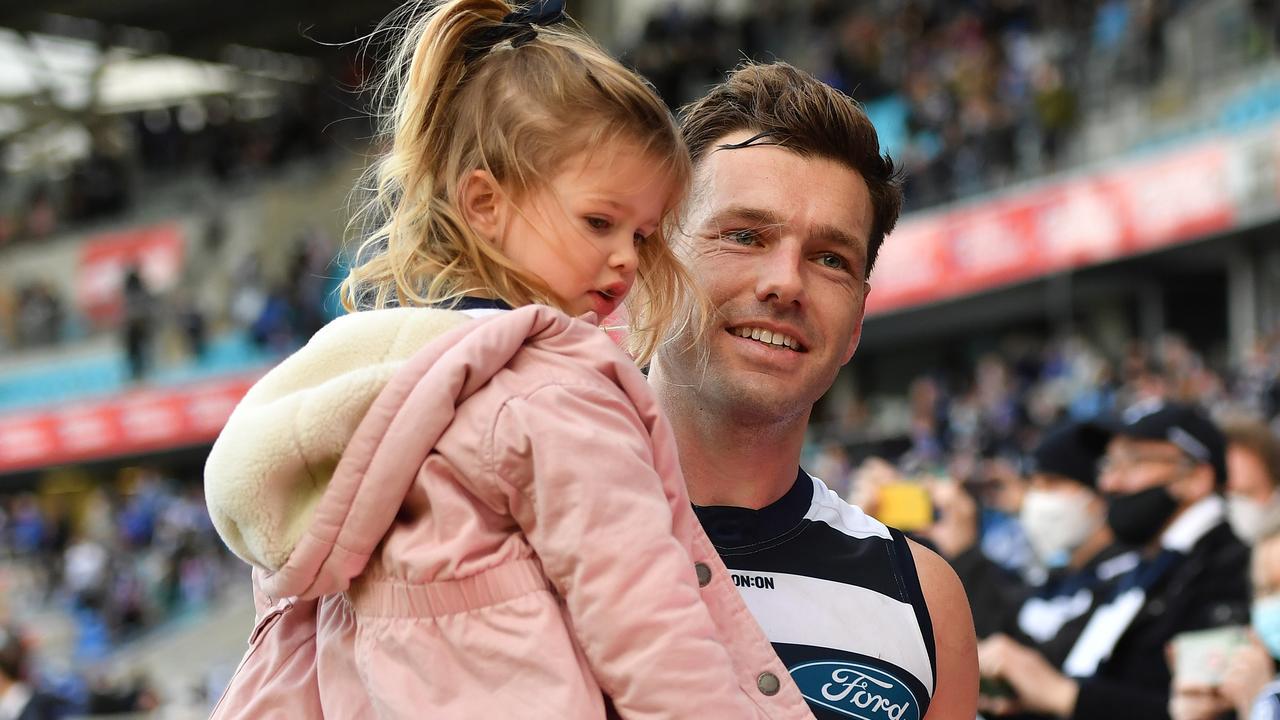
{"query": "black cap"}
pixel 1186 426
pixel 1071 450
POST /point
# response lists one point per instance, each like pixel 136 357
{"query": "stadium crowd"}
pixel 121 561
pixel 968 95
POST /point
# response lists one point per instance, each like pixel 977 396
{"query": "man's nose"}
pixel 1110 479
pixel 780 276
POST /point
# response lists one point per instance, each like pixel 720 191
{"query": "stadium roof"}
pixel 203 29
pixel 65 62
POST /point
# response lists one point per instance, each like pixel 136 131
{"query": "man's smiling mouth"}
pixel 767 337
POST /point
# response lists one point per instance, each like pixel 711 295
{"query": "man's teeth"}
pixel 767 337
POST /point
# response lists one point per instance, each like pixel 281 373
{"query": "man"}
pixel 792 202
pixel 18 700
pixel 1249 684
pixel 1065 519
pixel 1253 472
pixel 1163 472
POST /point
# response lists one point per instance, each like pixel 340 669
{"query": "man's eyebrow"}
pixel 835 235
pixel 744 214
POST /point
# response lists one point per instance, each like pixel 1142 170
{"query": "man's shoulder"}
pixel 1219 553
pixel 829 508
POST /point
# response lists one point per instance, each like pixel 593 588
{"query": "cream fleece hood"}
pixel 274 459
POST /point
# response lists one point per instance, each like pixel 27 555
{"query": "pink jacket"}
pixel 457 518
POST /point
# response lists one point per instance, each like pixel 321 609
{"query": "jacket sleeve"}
pixel 277 676
pixel 1107 700
pixel 577 464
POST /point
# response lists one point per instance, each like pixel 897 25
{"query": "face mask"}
pixel 1266 622
pixel 1138 517
pixel 1056 523
pixel 1246 516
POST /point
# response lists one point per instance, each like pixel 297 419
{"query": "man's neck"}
pixel 729 461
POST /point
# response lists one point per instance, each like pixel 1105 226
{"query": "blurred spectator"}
pixel 308 282
pixel 133 695
pixel 1065 519
pixel 192 323
pixel 18 699
pixel 85 573
pixel 1253 473
pixel 139 323
pixel 39 315
pixel 273 328
pixel 41 217
pixel 1249 685
pixel 8 319
pixel 28 528
pixel 832 465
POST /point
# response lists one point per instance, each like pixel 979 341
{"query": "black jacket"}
pixel 994 594
pixel 42 706
pixel 1208 588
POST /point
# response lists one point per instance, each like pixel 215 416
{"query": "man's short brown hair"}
pixel 791 108
pixel 1256 437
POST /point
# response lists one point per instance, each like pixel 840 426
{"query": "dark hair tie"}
pixel 520 27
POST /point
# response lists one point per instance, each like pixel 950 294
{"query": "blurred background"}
pixel 1092 219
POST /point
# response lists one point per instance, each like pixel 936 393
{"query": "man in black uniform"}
pixel 792 200
pixel 1164 472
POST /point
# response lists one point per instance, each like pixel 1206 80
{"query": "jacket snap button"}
pixel 768 683
pixel 704 574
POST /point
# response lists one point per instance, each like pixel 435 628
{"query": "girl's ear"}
pixel 483 204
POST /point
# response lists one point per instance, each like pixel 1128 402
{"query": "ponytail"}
pixel 471 86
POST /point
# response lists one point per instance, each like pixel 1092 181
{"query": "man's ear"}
pixel 483 204
pixel 1197 485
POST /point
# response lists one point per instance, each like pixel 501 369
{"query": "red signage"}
pixel 156 251
pixel 1053 227
pixel 133 423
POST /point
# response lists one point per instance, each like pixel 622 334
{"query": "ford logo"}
pixel 857 691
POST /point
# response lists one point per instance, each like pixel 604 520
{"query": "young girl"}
pixel 455 509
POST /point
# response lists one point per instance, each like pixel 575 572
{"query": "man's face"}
pixel 779 244
pixel 1247 474
pixel 1132 465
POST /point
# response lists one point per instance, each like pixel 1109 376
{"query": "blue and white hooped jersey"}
pixel 837 593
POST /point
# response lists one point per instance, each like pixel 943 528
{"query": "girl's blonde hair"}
pixel 519 111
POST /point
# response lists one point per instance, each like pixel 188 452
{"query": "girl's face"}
pixel 581 232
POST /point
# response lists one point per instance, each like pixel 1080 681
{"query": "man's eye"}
pixel 833 261
pixel 598 223
pixel 742 237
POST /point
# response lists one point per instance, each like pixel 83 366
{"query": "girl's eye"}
pixel 598 223
pixel 833 261
pixel 640 238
